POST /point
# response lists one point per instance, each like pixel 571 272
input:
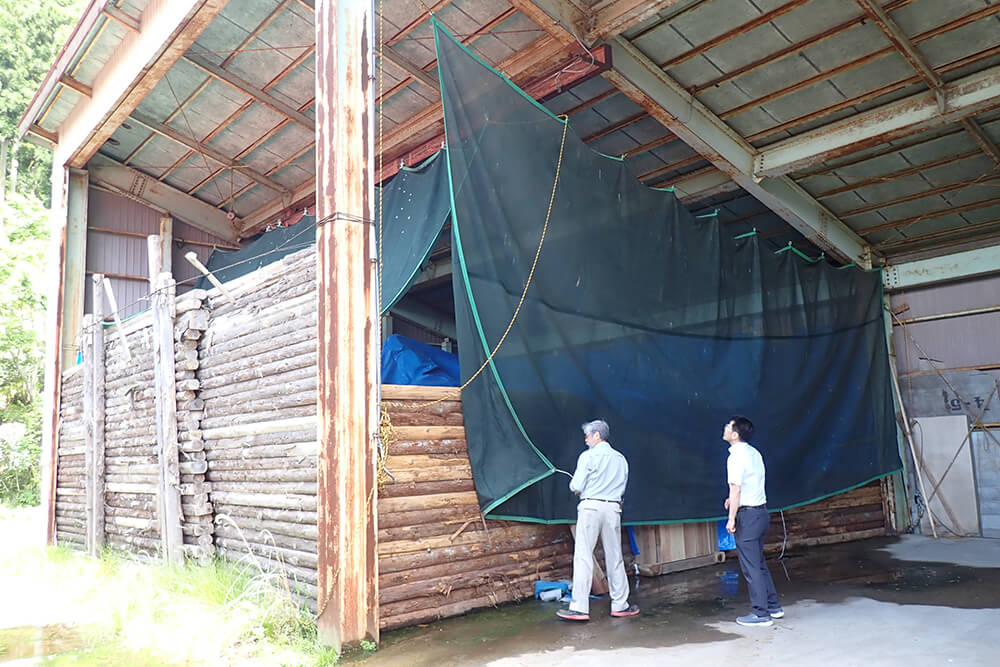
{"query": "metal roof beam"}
pixel 139 186
pixel 905 47
pixel 247 88
pixel 208 151
pixel 137 65
pixel 985 142
pixel 640 78
pixel 964 97
pixel 645 83
pixel 956 266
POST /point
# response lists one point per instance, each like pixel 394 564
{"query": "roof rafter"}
pixel 207 151
pixel 241 110
pixel 644 82
pixel 247 88
pixel 138 64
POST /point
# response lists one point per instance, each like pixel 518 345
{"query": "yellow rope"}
pixel 524 292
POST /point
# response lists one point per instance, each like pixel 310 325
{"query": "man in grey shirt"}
pixel 600 479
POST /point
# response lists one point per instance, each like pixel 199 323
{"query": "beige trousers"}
pixel 598 519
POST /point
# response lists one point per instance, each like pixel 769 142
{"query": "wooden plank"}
pixel 402 392
pixel 430 432
pixel 162 298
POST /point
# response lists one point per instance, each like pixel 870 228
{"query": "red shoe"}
pixel 570 615
pixel 632 610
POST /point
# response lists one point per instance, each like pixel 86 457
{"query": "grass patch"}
pixel 128 609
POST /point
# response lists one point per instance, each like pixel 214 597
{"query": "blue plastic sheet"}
pixel 406 361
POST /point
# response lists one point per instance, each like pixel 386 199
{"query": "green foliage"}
pixel 23 242
pixel 33 33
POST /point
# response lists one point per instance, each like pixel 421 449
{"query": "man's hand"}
pixel 731 526
pixel 727 503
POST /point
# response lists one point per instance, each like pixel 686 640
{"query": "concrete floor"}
pixel 888 601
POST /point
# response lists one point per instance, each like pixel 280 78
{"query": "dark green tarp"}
pixel 415 203
pixel 640 314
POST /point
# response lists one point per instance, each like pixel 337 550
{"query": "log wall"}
pixel 246 410
pixel 438 557
pixel 854 515
pixel 257 385
pixel 130 448
pixel 71 517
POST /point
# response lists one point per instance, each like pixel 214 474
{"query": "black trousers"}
pixel 751 528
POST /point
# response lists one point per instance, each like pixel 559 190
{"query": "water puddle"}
pixel 60 645
pixel 33 642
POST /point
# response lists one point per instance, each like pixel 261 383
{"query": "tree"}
pixel 33 33
pixel 23 243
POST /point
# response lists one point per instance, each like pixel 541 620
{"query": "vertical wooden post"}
pixel 167 243
pixel 347 329
pixel 52 390
pixel 86 344
pixel 162 300
pixel 95 470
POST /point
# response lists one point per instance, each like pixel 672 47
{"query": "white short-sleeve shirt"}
pixel 745 468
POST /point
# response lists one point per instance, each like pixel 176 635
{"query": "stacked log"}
pixel 438 556
pixel 197 517
pixel 71 506
pixel 131 470
pixel 257 387
pixel 854 515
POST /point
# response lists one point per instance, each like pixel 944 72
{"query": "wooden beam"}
pixel 52 138
pixel 131 72
pixel 411 69
pixel 121 18
pixel 347 329
pixel 137 185
pixel 208 151
pixel 257 93
pixel 78 86
pixel 43 94
pixel 162 298
pixel 167 242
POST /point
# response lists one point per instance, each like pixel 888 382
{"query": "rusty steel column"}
pixel 347 598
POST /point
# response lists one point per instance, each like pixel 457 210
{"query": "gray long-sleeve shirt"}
pixel 601 473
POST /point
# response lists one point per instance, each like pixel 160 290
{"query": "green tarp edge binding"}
pixel 472 303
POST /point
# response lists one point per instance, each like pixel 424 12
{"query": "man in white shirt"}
pixel 600 479
pixel 748 521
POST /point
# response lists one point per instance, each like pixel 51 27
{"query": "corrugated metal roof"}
pixel 770 69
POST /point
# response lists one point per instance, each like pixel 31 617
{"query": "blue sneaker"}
pixel 755 620
pixel 777 612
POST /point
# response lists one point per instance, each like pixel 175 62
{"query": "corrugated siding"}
pixel 960 342
pixel 123 258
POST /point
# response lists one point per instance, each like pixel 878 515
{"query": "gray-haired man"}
pixel 600 479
